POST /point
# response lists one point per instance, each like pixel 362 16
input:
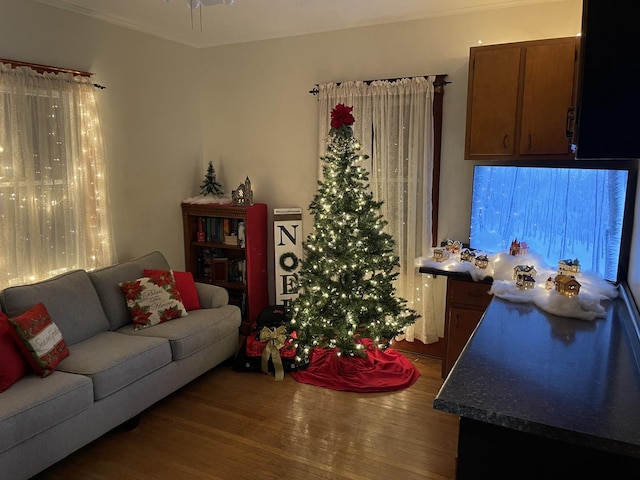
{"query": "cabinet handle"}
pixel 571 122
pixel 475 294
pixel 504 141
pixel 457 320
pixel 529 146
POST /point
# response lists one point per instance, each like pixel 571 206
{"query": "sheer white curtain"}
pixel 53 197
pixel 351 94
pixel 395 121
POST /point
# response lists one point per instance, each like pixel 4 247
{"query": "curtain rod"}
pixel 440 81
pixel 49 69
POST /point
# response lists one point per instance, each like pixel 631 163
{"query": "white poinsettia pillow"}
pixel 152 300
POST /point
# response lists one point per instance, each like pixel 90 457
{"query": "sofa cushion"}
pixel 194 332
pixel 39 340
pixel 12 365
pixel 153 300
pixel 113 360
pixel 107 283
pixel 71 300
pixel 34 404
pixel 185 284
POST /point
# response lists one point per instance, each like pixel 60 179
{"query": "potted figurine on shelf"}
pixel 241 237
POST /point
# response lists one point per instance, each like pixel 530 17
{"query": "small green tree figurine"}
pixel 210 185
pixel 346 290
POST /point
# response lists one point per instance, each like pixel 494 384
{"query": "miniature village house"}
pixel 525 282
pixel 440 254
pixel 467 255
pixel 520 270
pixel 453 246
pixel 567 285
pixel 569 267
pixel 549 284
pixel 481 261
pixel 518 248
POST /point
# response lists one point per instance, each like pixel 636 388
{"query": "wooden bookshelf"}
pixel 213 253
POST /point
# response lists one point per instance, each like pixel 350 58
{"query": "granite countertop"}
pixel 563 378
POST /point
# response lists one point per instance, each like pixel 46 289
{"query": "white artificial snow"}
pixel 587 305
pixel 201 199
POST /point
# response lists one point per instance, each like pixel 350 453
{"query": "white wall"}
pixel 150 115
pixel 259 119
pixel 169 109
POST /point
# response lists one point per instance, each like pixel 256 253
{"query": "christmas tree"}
pixel 345 283
pixel 210 185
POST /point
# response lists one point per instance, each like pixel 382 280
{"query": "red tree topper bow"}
pixel 341 115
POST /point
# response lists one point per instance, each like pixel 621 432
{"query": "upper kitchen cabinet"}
pixel 607 125
pixel 519 98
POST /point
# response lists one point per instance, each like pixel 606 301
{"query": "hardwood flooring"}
pixel 233 425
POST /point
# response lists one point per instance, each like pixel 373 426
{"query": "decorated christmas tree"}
pixel 210 185
pixel 345 283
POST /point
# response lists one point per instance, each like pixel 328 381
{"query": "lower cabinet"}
pixel 466 303
pixel 501 453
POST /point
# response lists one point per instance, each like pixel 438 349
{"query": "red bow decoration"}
pixel 341 115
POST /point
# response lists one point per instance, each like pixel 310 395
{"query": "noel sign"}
pixel 287 241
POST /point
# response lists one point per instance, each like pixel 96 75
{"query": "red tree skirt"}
pixel 381 371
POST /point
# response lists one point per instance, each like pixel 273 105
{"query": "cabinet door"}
pixel 548 95
pixel 518 99
pixel 460 325
pixel 492 101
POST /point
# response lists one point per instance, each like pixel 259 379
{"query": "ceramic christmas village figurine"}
pixel 567 285
pixel 549 284
pixel 521 270
pixel 440 254
pixel 243 195
pixel 565 282
pixel 467 255
pixel 524 275
pixel 481 261
pixel 569 267
pixel 453 246
pixel 518 248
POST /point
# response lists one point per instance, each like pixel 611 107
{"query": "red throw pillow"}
pixel 39 340
pixel 12 365
pixel 186 287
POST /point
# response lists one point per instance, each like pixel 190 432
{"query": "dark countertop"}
pixel 562 378
pixel 452 274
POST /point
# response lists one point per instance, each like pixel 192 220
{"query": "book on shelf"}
pixel 212 265
pixel 200 235
pixel 218 230
pixel 231 240
pixel 237 271
pixel 219 269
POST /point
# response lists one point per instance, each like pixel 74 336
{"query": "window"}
pixel 560 213
pixel 53 204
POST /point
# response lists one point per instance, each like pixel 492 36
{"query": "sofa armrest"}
pixel 212 296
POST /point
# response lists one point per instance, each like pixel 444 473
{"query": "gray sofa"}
pixel 113 373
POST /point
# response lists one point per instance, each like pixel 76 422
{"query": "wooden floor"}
pixel 232 425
